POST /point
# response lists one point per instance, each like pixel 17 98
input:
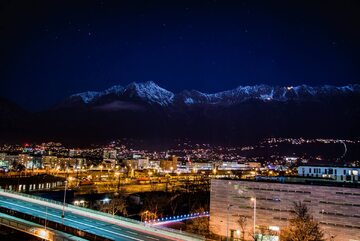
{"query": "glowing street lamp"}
pixel 42 233
pixel 101 168
pixel 253 199
pixel 227 222
pixel 118 185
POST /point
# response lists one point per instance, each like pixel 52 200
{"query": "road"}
pixel 92 225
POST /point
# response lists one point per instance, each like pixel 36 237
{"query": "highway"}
pixel 108 229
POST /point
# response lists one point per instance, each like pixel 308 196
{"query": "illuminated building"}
pixel 137 164
pixel 339 174
pixel 336 208
pixel 109 154
pixel 49 161
pixel 169 164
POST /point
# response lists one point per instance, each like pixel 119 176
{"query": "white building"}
pixel 49 161
pixel 340 174
pixel 2 156
pixel 109 154
pixel 267 207
pixel 238 166
pixel 74 152
pixel 137 164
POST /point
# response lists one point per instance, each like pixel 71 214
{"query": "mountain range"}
pixel 147 111
pixel 151 93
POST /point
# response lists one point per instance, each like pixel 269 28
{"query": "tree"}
pixel 116 205
pixel 173 203
pixel 242 221
pixel 263 233
pixel 148 216
pixel 302 226
pixel 153 204
pixel 198 225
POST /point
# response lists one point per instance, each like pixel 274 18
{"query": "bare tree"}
pixel 147 215
pixel 242 221
pixel 198 225
pixel 302 226
pixel 173 203
pixel 115 206
pixel 156 203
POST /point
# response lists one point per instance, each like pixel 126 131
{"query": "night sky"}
pixel 52 49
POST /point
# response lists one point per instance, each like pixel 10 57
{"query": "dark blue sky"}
pixel 51 49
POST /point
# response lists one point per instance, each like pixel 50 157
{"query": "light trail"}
pixel 143 230
pixel 72 220
pixel 343 155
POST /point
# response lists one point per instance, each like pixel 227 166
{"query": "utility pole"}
pixel 63 210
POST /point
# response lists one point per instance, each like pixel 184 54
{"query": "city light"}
pixel 134 120
pixel 152 171
pixel 42 233
pixel 274 228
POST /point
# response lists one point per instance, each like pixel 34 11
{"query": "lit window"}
pixel 274 228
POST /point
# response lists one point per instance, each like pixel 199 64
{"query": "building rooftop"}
pixel 330 166
pixel 300 181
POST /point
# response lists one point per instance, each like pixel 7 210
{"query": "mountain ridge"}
pixel 148 111
pixel 152 93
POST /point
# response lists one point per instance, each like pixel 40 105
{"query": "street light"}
pixel 253 199
pixel 42 233
pixel 118 185
pixel 227 222
pixel 101 167
pixel 63 211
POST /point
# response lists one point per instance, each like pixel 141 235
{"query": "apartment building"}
pixel 336 208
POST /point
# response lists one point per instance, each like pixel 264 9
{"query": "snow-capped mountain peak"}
pixel 116 89
pixel 149 91
pixel 152 93
pixel 87 96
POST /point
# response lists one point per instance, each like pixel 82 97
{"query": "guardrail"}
pixel 36 226
pixel 177 218
pixel 119 218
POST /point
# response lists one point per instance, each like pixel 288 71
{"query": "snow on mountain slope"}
pixel 149 91
pixel 152 93
pixel 116 89
pixel 90 96
pixel 87 96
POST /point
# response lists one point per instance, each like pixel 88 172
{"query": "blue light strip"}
pixel 178 218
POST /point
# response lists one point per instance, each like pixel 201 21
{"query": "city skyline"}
pixel 144 189
pixel 180 120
